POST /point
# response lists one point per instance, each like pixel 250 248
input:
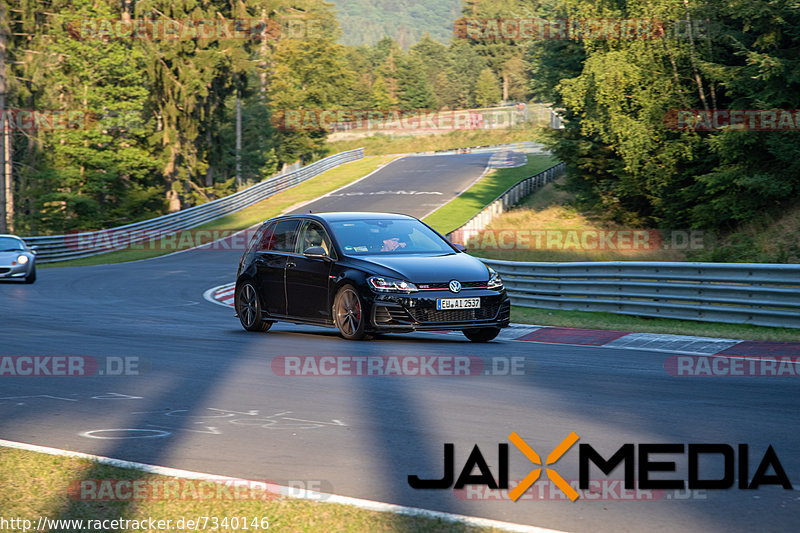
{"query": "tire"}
pixel 482 334
pixel 30 278
pixel 348 313
pixel 248 308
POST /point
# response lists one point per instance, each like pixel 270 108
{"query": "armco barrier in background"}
pixel 57 247
pixel 742 293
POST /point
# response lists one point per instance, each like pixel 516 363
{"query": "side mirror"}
pixel 34 250
pixel 315 252
pixel 460 247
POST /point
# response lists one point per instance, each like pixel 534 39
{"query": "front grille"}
pixel 4 270
pixel 446 285
pixel 454 315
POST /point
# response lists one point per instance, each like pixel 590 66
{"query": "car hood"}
pixel 6 258
pixel 419 268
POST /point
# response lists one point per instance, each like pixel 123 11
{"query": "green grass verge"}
pixel 387 144
pixel 637 324
pixel 461 209
pixel 552 209
pixel 272 206
pixel 34 485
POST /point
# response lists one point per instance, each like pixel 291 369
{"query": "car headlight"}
pixel 22 260
pixel 495 281
pixel 382 284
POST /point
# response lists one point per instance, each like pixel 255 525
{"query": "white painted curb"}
pixel 301 494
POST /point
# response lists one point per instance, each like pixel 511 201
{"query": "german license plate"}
pixel 457 303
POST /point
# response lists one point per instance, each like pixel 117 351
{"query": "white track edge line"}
pixel 300 494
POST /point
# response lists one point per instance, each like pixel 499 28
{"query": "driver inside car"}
pixel 390 244
pixel 313 237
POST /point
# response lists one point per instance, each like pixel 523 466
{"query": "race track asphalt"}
pixel 207 398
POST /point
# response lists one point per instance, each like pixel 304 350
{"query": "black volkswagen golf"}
pixel 366 273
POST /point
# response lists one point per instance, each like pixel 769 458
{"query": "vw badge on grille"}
pixel 455 286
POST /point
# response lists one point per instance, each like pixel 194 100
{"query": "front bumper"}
pixel 417 311
pixel 15 271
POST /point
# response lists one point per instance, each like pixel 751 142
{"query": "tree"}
pixel 415 91
pixel 626 160
pixel 308 74
pixel 381 99
pixel 466 62
pixel 259 141
pixel 6 177
pixel 499 52
pixel 487 91
pixel 181 75
pixel 439 66
pixel 515 80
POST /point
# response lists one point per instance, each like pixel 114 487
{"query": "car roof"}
pixel 12 236
pixel 350 215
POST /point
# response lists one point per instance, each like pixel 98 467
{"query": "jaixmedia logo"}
pixel 638 463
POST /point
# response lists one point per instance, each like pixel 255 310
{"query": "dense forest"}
pixel 620 97
pixel 404 21
pixel 161 113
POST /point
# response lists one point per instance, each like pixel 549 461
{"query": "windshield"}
pixel 383 237
pixel 10 244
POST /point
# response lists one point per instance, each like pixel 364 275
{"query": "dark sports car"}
pixel 366 273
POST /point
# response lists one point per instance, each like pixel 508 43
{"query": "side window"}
pixel 285 232
pixel 313 234
pixel 266 239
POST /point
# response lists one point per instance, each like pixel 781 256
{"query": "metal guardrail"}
pixel 84 244
pixel 528 147
pixel 521 146
pixel 743 293
pixel 502 203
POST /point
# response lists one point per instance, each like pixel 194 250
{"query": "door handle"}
pixel 291 265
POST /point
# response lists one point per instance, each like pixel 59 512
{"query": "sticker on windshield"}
pixel 361 248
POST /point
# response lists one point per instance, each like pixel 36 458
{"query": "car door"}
pixel 277 242
pixel 307 278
